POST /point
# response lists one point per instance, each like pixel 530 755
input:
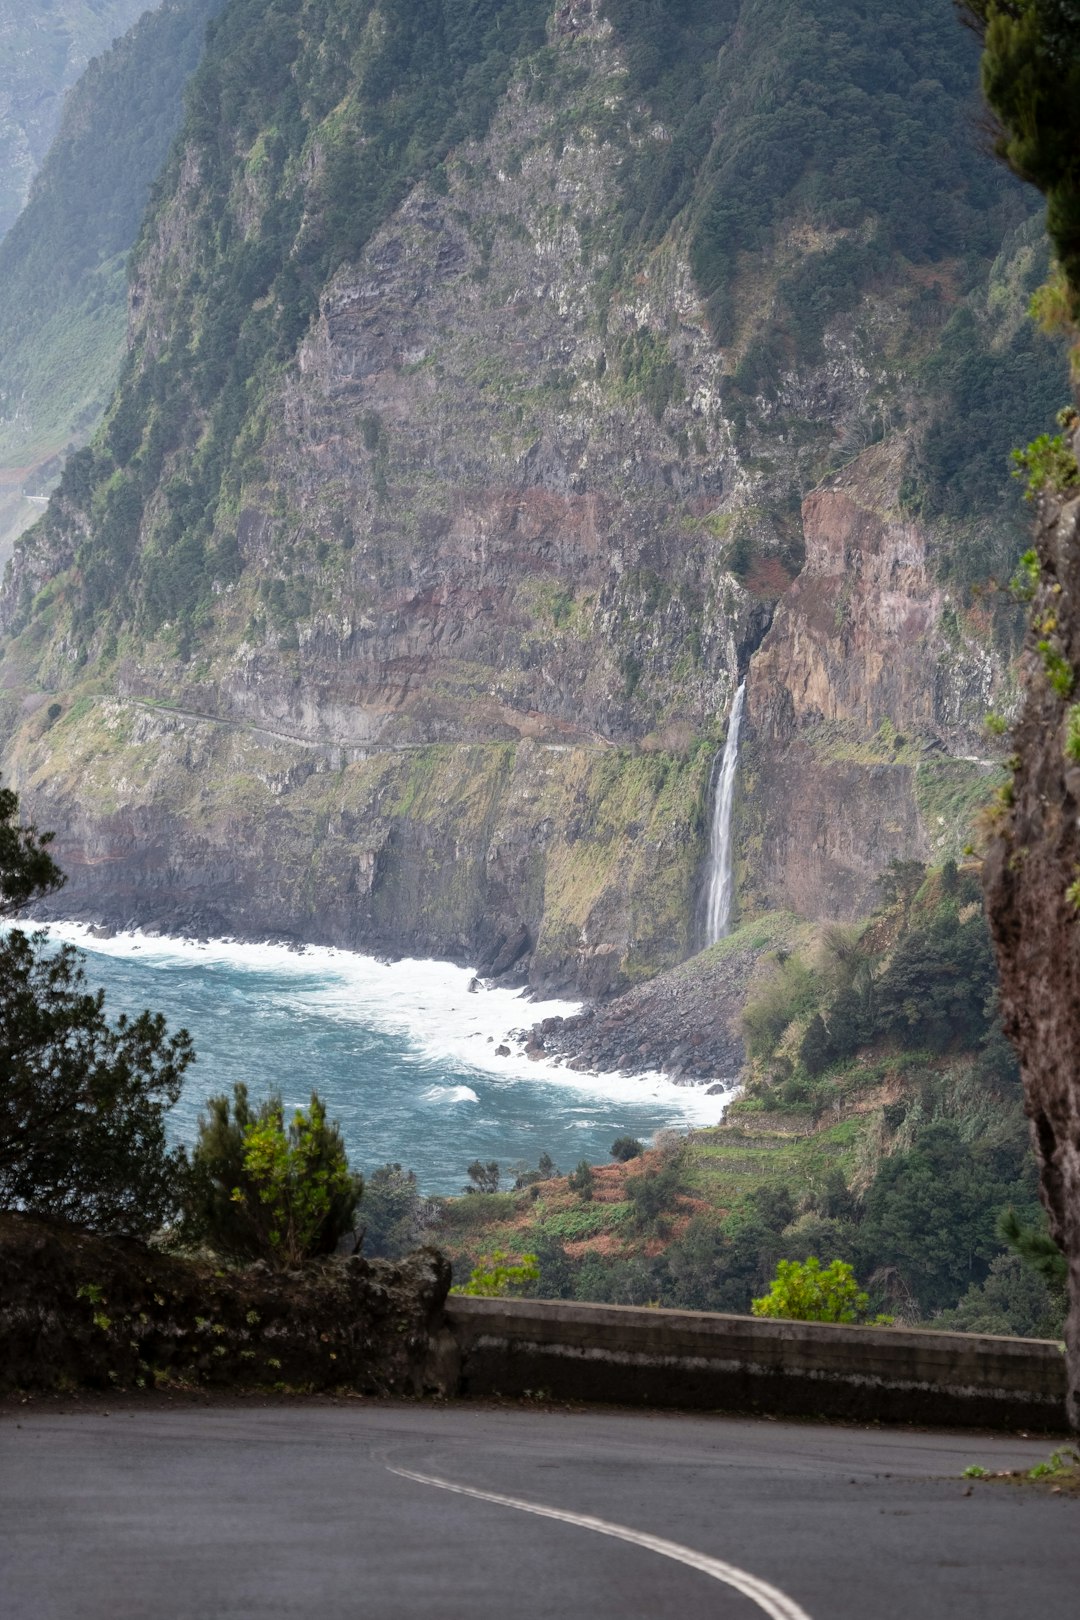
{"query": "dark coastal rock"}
pixel 684 1022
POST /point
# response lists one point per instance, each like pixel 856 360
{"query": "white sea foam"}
pixel 428 1005
pixel 450 1094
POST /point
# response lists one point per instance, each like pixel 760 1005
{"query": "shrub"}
pixel 497 1275
pixel 1046 463
pixel 483 1178
pixel 654 1195
pixel 802 1291
pixel 264 1189
pixel 581 1180
pixel 625 1148
pixel 785 995
pixel 395 1213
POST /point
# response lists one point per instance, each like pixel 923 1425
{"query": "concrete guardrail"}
pixel 699 1360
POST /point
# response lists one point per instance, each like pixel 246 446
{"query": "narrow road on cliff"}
pixel 154 1510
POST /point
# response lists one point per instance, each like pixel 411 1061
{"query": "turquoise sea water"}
pixel 402 1053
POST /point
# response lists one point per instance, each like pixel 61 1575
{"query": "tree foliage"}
pixel 269 1189
pixel 499 1274
pixel 1031 79
pixel 27 870
pixel 806 1291
pixel 932 1213
pixel 483 1177
pixel 395 1214
pixel 82 1101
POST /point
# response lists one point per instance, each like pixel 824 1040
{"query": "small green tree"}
pixel 802 1291
pixel 483 1178
pixel 395 1213
pixel 264 1189
pixel 581 1181
pixel 497 1275
pixel 815 1049
pixel 625 1148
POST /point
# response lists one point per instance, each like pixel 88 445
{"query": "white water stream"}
pixel 721 891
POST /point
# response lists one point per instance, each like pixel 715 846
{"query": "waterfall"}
pixel 721 891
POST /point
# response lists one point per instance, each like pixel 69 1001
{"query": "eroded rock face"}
pixel 1032 871
pixel 865 705
pixel 78 1310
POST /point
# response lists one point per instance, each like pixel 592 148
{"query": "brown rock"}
pixel 1031 869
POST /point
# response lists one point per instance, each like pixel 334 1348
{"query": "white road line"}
pixel 776 1604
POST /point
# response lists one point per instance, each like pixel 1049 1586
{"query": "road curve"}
pixel 158 1511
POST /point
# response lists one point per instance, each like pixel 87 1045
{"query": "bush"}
pixel 261 1189
pixel 625 1148
pixel 395 1214
pixel 581 1181
pixel 82 1101
pixel 802 1292
pixel 483 1178
pixel 654 1195
pixel 498 1275
pixel 785 995
pixel 546 1170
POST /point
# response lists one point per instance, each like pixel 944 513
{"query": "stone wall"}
pixel 81 1311
pixel 630 1356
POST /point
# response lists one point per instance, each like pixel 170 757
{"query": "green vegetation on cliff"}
pixel 44 45
pixel 309 123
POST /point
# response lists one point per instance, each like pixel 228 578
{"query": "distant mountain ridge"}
pixel 63 286
pixel 44 46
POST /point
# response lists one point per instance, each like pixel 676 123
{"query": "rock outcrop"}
pixel 1032 876
pixel 685 1022
pixel 865 705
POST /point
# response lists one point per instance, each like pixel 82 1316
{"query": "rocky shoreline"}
pixel 684 1023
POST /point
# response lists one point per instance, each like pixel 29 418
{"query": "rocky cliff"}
pixel 1033 885
pixel 866 703
pixel 448 496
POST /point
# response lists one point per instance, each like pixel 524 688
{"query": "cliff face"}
pixel 866 704
pixel 1033 888
pixel 403 598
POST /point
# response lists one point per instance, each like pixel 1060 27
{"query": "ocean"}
pixel 402 1053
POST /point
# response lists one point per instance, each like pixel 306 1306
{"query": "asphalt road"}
pixel 187 1512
